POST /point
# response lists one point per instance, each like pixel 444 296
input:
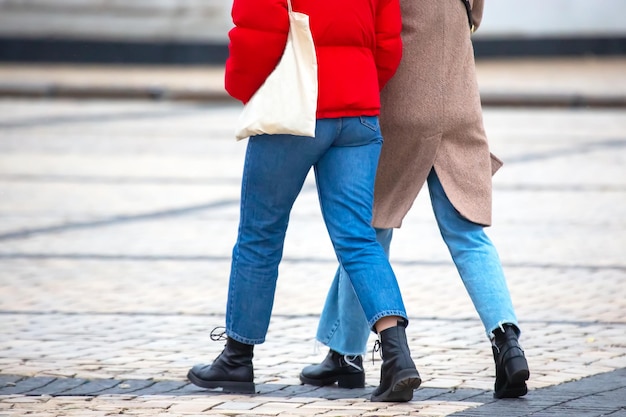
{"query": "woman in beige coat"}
pixel 431 119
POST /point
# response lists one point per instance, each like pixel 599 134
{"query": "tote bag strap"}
pixel 289 6
pixel 468 8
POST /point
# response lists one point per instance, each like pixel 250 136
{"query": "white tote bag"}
pixel 287 101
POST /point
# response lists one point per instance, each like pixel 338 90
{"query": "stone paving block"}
pixel 23 399
pixel 236 405
pixel 434 408
pixel 9 380
pixel 323 405
pixel 25 385
pixel 345 412
pixel 194 406
pixel 272 389
pixel 567 412
pixel 465 394
pixel 425 393
pixel 613 396
pixel 91 387
pixel 146 404
pixel 58 386
pixel 126 387
pixel 161 387
pixel 299 413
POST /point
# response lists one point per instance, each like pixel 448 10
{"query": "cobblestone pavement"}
pixel 117 219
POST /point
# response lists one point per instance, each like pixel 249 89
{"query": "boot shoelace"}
pixel 349 360
pixel 218 333
pixel 377 348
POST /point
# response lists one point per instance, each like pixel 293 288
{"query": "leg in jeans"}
pixel 275 169
pixel 476 260
pixel 345 179
pixel 343 326
pixel 345 154
pixel 474 255
pixel 479 265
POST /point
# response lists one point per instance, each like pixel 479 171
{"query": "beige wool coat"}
pixel 431 116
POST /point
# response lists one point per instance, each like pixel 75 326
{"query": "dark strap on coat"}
pixel 468 7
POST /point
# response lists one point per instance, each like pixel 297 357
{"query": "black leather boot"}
pixel 511 365
pixel 347 371
pixel 231 370
pixel 398 375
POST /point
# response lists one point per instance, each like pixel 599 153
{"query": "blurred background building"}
pixel 195 31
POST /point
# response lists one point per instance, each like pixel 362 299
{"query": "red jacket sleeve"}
pixel 257 42
pixel 388 40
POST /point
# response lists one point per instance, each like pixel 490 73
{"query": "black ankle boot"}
pixel 398 375
pixel 511 365
pixel 231 370
pixel 347 371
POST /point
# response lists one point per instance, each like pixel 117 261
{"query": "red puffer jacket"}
pixel 357 43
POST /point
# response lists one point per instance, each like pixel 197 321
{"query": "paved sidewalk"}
pixel 117 218
pixel 573 82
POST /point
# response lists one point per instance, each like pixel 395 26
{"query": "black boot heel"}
pixel 517 370
pixel 351 380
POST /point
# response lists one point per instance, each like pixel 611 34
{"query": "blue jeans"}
pixel 342 325
pixel 344 154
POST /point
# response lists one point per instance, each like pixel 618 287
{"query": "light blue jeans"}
pixel 342 325
pixel 344 155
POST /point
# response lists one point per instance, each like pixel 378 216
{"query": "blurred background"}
pixel 195 31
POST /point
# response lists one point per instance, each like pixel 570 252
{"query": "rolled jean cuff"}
pixel 492 329
pixel 371 322
pixel 242 339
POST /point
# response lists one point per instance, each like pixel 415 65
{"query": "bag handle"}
pixel 289 6
pixel 468 8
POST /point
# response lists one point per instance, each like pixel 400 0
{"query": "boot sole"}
pixel 227 386
pixel 348 381
pixel 511 391
pixel 401 390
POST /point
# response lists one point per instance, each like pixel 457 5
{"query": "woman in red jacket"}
pixel 358 49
